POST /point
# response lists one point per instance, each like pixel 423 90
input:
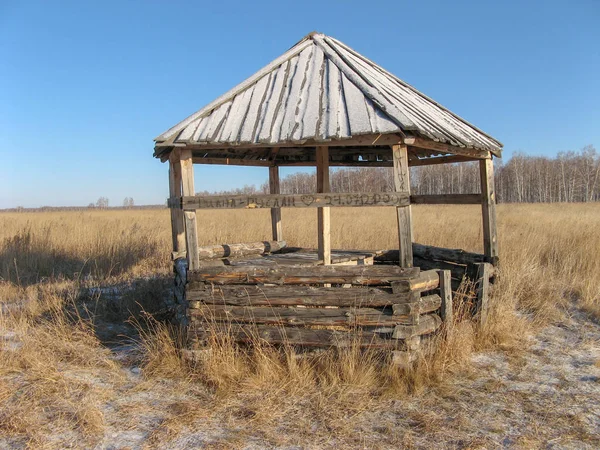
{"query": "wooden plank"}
pixel 277 230
pixel 402 184
pixel 298 316
pixel 427 324
pixel 191 230
pixel 446 254
pixel 356 275
pixel 367 140
pixel 250 295
pixel 488 210
pixel 345 200
pixel 297 336
pixel 446 199
pixel 446 313
pixel 441 160
pixel 175 190
pixel 446 148
pixel 426 304
pixel 484 272
pixel 239 250
pixel 232 161
pixel 425 281
pixel 323 214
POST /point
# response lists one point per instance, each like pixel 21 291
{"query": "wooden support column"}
pixel 191 231
pixel 488 209
pixel 177 216
pixel 402 183
pixel 323 214
pixel 275 212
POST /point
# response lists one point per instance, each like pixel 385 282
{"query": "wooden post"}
pixel 177 216
pixel 275 212
pixel 323 214
pixel 191 231
pixel 488 209
pixel 402 183
pixel 484 272
pixel 446 313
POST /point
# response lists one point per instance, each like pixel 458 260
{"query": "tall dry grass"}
pixel 549 262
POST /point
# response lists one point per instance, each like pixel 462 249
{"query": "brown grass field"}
pixel 83 365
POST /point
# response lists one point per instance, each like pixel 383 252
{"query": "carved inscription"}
pixel 296 201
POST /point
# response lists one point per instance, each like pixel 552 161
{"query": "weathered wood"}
pixel 402 184
pixel 426 304
pixel 484 273
pixel 446 148
pixel 241 249
pixel 446 199
pixel 427 324
pixel 356 141
pixel 432 253
pixel 297 336
pixel 446 313
pixel 177 216
pixel 344 200
pixel 299 316
pixel 441 160
pixel 232 161
pixel 356 275
pixel 277 230
pixel 293 295
pixel 488 210
pixel 425 281
pixel 323 214
pixel 458 271
pixel 191 230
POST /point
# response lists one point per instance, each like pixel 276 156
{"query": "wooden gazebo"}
pixel 322 104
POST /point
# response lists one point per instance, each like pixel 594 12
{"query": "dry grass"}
pixel 549 262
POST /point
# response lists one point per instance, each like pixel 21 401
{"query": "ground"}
pixel 82 366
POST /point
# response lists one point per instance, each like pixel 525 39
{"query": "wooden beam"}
pixel 191 230
pixel 252 295
pixel 428 144
pixel 446 199
pixel 323 214
pixel 363 140
pixel 232 161
pixel 446 311
pixel 402 183
pixel 488 210
pixel 405 280
pixel 343 200
pixel 177 215
pixel 442 160
pixel 276 227
pixel 484 272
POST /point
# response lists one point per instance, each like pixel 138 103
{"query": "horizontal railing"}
pixel 344 200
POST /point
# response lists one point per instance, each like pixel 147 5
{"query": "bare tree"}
pixel 102 202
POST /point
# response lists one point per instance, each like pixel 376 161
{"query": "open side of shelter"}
pixel 322 104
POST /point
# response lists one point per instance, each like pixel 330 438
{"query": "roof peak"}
pixel 322 89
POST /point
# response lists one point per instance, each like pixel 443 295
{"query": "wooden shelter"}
pixel 323 104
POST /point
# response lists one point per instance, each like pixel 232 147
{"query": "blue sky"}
pixel 86 86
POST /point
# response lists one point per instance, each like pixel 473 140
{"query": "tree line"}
pixel 569 177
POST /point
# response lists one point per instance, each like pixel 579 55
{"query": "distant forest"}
pixel 570 177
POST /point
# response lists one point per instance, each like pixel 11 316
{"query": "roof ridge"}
pixel 370 91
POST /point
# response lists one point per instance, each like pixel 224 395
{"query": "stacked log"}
pixel 383 307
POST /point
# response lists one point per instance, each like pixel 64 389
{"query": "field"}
pixel 83 364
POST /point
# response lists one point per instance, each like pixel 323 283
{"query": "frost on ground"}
pixel 546 396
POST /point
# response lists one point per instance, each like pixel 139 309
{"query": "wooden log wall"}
pixel 386 307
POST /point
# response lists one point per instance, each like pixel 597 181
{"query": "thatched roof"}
pixel 317 92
